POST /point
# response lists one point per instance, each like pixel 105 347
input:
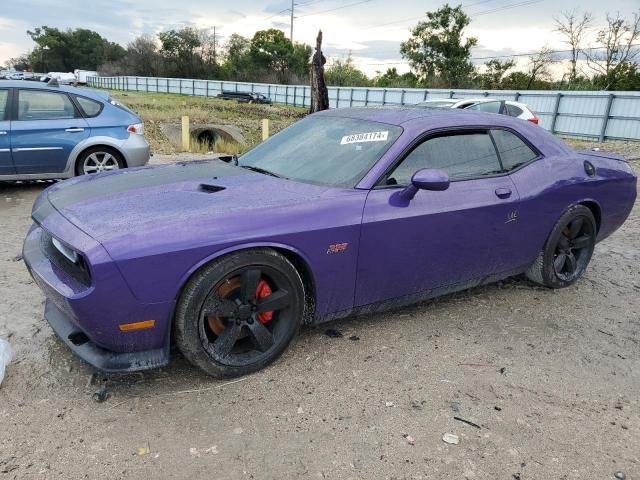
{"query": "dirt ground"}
pixel 550 378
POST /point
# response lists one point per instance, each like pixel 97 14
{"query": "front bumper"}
pixel 86 317
pixel 103 360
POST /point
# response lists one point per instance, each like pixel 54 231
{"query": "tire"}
pixel 221 325
pixel 567 251
pixel 102 159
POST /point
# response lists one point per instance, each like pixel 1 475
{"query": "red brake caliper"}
pixel 263 291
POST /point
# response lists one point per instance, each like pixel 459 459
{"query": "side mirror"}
pixel 426 179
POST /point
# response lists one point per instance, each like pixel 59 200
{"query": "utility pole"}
pixel 291 30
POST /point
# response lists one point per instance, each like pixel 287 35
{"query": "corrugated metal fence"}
pixel 596 115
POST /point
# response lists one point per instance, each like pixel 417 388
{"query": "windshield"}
pixel 324 150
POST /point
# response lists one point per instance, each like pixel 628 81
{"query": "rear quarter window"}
pixel 513 151
pixel 89 107
pixel 513 111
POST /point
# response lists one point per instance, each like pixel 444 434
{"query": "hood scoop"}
pixel 210 188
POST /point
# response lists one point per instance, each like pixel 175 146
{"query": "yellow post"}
pixel 265 128
pixel 186 135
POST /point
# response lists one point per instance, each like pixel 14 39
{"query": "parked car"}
pixel 245 97
pixel 59 131
pixel 346 211
pixel 489 105
pixel 82 76
pixel 17 76
pixel 63 78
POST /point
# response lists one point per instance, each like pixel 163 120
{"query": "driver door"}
pixel 438 239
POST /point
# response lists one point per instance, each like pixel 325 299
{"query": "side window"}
pixel 513 111
pixel 41 105
pixel 489 107
pixel 4 97
pixel 513 151
pixel 465 155
pixel 91 108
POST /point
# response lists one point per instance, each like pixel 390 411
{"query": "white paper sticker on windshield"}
pixel 365 137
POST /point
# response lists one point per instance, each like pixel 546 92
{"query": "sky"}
pixel 371 30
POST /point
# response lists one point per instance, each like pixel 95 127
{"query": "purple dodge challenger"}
pixel 347 211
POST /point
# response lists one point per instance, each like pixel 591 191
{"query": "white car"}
pixel 490 105
pixel 64 78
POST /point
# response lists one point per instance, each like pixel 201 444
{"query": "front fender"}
pixel 237 248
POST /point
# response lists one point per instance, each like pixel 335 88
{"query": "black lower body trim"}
pixel 103 360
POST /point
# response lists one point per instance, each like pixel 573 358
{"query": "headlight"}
pixel 70 254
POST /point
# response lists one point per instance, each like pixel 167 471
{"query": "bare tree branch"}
pixel 615 44
pixel 539 65
pixel 573 27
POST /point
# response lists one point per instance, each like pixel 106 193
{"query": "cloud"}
pixel 372 31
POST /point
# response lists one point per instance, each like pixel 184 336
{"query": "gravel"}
pixel 552 378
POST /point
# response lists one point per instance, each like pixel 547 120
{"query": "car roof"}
pixel 396 115
pixel 422 119
pixel 86 92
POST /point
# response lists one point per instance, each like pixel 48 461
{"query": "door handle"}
pixel 74 129
pixel 503 192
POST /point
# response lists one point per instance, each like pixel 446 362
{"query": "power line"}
pixel 485 12
pixel 504 56
pixel 276 14
pixel 336 8
pixel 419 17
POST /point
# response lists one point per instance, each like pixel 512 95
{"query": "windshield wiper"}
pixel 261 170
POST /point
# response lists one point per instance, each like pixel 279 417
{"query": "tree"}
pixel 515 81
pixel 437 47
pixel 142 57
pixel 345 73
pixel 270 49
pixel 539 64
pixel 22 62
pixel 237 64
pixel 615 48
pixel 59 50
pixel 573 27
pixel 392 79
pixel 179 49
pixel 495 70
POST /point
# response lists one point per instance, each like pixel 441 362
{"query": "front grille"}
pixel 79 271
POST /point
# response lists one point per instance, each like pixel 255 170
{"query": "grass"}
pixel 158 108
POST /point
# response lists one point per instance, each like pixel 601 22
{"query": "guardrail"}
pixel 594 114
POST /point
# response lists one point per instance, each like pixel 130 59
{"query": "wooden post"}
pixel 265 129
pixel 319 91
pixel 186 135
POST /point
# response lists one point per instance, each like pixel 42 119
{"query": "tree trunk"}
pixel 319 92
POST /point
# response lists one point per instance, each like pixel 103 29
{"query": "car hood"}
pixel 177 205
